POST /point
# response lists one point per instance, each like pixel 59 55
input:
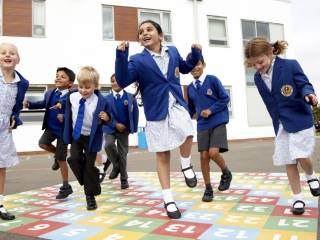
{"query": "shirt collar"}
pixel 63 92
pixel 15 80
pixel 115 93
pixel 164 49
pixel 201 79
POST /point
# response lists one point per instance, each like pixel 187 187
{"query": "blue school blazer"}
pixel 213 96
pixel 96 135
pixel 23 85
pixel 154 86
pixel 286 102
pixel 45 104
pixel 132 109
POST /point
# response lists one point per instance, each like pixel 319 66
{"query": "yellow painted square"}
pixel 214 206
pixel 243 220
pixel 101 207
pixel 103 220
pixel 286 235
pixel 117 234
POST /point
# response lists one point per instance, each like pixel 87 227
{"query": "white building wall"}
pixel 74 38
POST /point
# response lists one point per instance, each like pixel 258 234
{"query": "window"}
pixel 217 31
pixel 161 17
pixel 38 18
pixel 107 23
pixel 34 93
pixel 1 13
pixel 250 29
pixel 105 90
pixel 228 90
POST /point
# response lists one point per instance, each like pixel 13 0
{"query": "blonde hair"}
pixel 88 75
pixel 260 46
pixel 10 45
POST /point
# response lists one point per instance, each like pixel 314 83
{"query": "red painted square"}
pixel 46 195
pixel 43 213
pixel 150 202
pixel 38 228
pixel 182 229
pixel 158 213
pixel 45 203
pixel 286 211
pixel 260 200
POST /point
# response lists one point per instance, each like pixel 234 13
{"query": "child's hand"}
pixel 60 117
pixel 13 122
pixel 26 104
pixel 198 46
pixel 311 99
pixel 58 105
pixel 206 113
pixel 122 46
pixel 120 127
pixel 104 116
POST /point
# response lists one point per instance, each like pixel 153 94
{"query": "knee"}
pixel 43 146
pixel 214 153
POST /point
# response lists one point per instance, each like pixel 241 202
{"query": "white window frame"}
pixel 112 23
pixel 230 105
pixel 250 72
pixel 226 39
pixel 34 34
pixel 160 12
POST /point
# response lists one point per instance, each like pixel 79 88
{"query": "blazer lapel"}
pixel 170 65
pixel 151 63
pixel 277 69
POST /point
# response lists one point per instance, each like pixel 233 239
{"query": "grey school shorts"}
pixel 61 148
pixel 213 138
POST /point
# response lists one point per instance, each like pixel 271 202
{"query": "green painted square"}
pixel 138 224
pixel 7 225
pixel 22 209
pixel 128 210
pixel 256 209
pixel 227 198
pixel 298 224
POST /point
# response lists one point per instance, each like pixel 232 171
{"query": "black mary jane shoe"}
pixel 191 182
pixel 7 216
pixel 298 211
pixel 173 215
pixel 314 191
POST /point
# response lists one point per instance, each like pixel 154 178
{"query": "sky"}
pixel 306 40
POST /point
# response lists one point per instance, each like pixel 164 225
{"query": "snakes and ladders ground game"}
pixel 256 207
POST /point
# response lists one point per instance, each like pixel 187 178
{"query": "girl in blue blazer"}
pixel 287 94
pixel 157 71
pixel 13 87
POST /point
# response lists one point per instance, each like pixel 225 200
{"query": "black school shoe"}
pixel 208 195
pixel 191 182
pixel 297 211
pixel 174 215
pixel 64 192
pixel 55 166
pixel 91 203
pixel 7 216
pixel 314 191
pixel 114 173
pixel 105 168
pixel 124 184
pixel 225 181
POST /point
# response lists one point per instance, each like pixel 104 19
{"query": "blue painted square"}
pixel 200 216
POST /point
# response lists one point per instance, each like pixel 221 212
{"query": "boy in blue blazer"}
pixel 86 111
pixel 54 102
pixel 208 99
pixel 124 109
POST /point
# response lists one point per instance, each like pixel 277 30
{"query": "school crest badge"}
pixel 177 72
pixel 286 90
pixel 125 102
pixel 209 92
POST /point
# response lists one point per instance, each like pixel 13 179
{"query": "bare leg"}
pixel 294 178
pixel 185 148
pixel 205 166
pixel 64 170
pixel 49 148
pixel 2 179
pixel 306 165
pixel 163 168
pixel 217 158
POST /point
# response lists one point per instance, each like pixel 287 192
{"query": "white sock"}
pixel 313 184
pixel 100 168
pixel 103 158
pixel 296 197
pixel 167 197
pixel 185 163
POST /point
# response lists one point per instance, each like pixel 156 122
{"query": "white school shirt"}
pixel 267 77
pixel 201 79
pixel 162 59
pixel 115 93
pixel 89 109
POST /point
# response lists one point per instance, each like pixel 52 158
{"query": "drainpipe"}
pixel 195 21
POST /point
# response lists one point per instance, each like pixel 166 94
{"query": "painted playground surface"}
pixel 257 206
